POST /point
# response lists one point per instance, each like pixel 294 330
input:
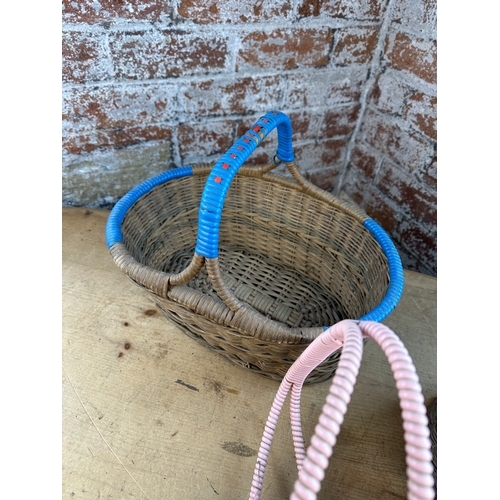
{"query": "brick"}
pixel 84 57
pixel 325 178
pixel 351 186
pixel 155 54
pixel 421 112
pixel 285 49
pixel 312 156
pixel 308 8
pixel 355 184
pixel 404 147
pixel 340 120
pixel 410 261
pixel 115 137
pixel 200 140
pixel 421 243
pixel 240 96
pixel 344 9
pixel 117 106
pixel 260 157
pixel 229 11
pixel 100 178
pixel 364 160
pixel 380 209
pixel 107 11
pixel 332 150
pixel 418 16
pixel 371 200
pixel 412 55
pixel 305 125
pixel 389 94
pixel 430 174
pixel 355 45
pixel 323 88
pixel 410 194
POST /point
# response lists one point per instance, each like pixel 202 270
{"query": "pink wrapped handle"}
pixel 311 467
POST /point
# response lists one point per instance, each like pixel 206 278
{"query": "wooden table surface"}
pixel 150 414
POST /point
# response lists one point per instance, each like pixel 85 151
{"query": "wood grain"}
pixel 150 414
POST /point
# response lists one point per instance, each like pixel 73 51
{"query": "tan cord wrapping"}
pixel 155 281
pixel 190 272
pixel 220 286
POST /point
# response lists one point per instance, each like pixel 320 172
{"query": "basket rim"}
pixel 396 274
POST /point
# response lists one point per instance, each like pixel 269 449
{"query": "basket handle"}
pixel 223 172
pixel 311 465
pixel 212 202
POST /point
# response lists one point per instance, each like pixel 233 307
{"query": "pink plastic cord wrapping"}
pixel 311 466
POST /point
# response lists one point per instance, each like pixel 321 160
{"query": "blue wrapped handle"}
pixel 223 172
pixel 115 219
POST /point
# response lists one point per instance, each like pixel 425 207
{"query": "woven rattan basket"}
pixel 254 266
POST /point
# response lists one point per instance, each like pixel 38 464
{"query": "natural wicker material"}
pixel 292 260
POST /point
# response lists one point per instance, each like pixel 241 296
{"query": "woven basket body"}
pixel 292 260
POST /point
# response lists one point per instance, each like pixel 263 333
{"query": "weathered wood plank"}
pixel 148 413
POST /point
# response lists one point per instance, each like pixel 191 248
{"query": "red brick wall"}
pixel 150 85
pixel 391 169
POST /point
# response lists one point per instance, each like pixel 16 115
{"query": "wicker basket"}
pixel 255 272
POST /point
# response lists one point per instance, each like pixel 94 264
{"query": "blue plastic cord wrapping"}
pixel 222 174
pixel 396 274
pixel 115 219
